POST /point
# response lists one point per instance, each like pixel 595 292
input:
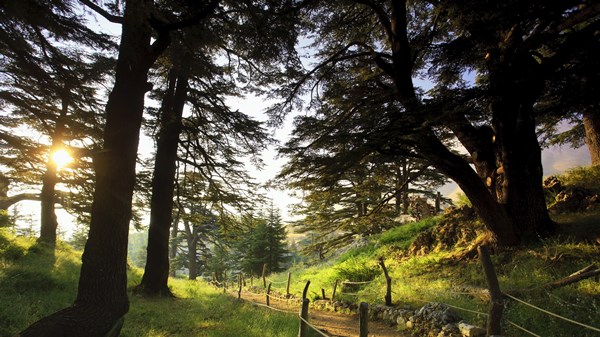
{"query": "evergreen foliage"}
pixel 364 97
pixel 264 244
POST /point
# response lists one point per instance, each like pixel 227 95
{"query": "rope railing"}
pixel 278 298
pixel 552 314
pixel 493 294
pixel 449 305
pixel 313 327
pixel 272 308
pixel 522 328
pixel 288 312
pixel 277 282
pixel 358 282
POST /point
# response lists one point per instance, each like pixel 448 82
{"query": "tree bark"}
pixel 515 84
pixel 156 272
pixel 509 198
pixel 192 244
pixel 173 248
pixel 102 301
pixel 591 124
pixel 493 214
pixel 48 220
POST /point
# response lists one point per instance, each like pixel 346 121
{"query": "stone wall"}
pixel 432 320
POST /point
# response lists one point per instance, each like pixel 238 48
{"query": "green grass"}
pixel 34 283
pixel 440 277
pixel 404 235
pixel 586 177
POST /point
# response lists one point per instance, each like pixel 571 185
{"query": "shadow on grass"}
pixel 207 313
pixel 35 280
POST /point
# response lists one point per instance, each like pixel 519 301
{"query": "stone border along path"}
pixel 334 324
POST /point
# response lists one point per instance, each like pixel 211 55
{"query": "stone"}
pixel 468 330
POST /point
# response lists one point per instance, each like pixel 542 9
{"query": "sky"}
pixel 555 159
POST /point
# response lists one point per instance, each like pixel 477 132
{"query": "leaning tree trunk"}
pixel 156 272
pixel 494 215
pixel 591 124
pixel 102 301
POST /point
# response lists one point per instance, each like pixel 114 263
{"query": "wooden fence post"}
pixel 264 275
pixel 239 286
pixel 287 288
pixel 305 289
pixel 304 315
pixel 323 293
pixel 496 297
pixel 388 291
pixel 334 289
pixel 268 293
pixel 363 319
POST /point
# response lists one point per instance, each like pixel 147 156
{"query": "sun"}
pixel 61 158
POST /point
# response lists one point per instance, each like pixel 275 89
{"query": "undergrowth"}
pixel 441 277
pixel 586 177
pixel 36 281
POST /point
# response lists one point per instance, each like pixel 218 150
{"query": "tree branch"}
pixel 110 17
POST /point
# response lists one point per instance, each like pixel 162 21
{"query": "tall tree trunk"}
pixel 48 221
pixel 591 124
pixel 511 204
pixel 515 84
pixel 173 248
pixel 102 301
pixel 156 272
pixel 191 237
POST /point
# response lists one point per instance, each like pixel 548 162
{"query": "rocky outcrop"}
pixel 569 199
pixel 459 228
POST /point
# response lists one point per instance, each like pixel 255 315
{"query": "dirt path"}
pixel 331 323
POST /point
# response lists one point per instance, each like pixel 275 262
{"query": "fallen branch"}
pixel 585 273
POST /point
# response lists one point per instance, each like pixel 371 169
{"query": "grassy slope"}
pixel 33 283
pixel 439 276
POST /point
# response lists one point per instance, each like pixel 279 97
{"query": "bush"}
pixel 357 270
pixel 404 235
pixel 585 177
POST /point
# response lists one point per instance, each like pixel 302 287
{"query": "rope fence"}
pixel 522 328
pixel 277 282
pixel 589 327
pixel 313 327
pixel 361 282
pixel 493 295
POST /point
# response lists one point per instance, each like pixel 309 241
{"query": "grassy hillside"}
pixel 428 268
pixel 34 283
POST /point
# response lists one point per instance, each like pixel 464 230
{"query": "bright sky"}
pixel 555 159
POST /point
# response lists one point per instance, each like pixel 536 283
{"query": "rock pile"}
pixel 569 199
pixel 432 320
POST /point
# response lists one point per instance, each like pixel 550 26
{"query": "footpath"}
pixel 332 324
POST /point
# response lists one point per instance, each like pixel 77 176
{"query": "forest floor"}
pixel 333 324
